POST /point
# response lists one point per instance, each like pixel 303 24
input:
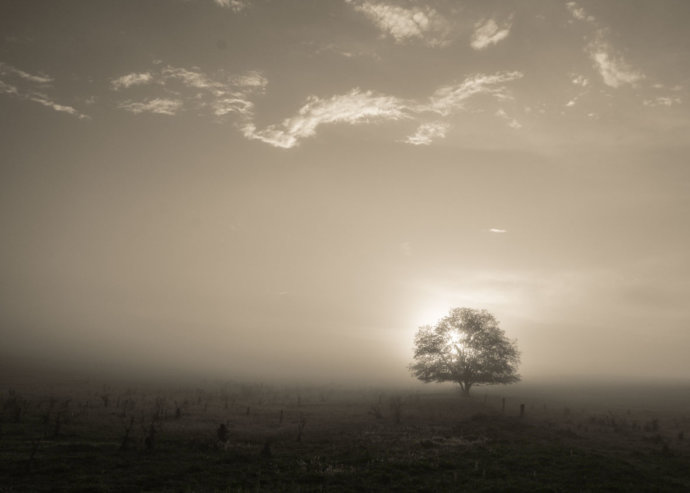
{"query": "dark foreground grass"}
pixel 440 444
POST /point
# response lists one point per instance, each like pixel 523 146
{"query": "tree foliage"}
pixel 466 347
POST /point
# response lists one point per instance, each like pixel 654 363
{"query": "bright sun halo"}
pixel 431 313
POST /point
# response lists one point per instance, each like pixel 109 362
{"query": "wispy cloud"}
pixel 512 122
pixel 448 99
pixel 31 87
pixel 37 79
pixel 359 106
pixel 580 80
pixel 487 33
pixel 130 80
pixel 178 86
pixel 406 24
pixel 160 106
pixel 224 105
pixel 6 88
pixel 428 132
pixel 578 12
pixel 615 71
pixel 662 101
pixel 354 107
pixel 190 78
pixel 234 5
pixel 45 101
pixel 174 88
pixel 497 230
pixel 250 80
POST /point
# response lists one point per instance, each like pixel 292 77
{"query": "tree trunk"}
pixel 465 387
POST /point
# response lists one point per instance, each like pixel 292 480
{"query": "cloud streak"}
pixel 6 69
pixel 578 12
pixel 428 132
pixel 662 101
pixel 354 107
pixel 45 101
pixel 406 24
pixel 130 80
pixel 190 78
pixel 615 71
pixel 179 87
pixel 512 122
pixel 30 87
pixel 449 99
pixel 234 5
pixel 6 88
pixel 489 33
pixel 359 106
pixel 160 106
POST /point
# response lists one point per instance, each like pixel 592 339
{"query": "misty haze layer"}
pixel 289 189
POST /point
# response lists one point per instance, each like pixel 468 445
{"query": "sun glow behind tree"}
pixel 466 347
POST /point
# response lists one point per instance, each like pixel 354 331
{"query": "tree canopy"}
pixel 466 347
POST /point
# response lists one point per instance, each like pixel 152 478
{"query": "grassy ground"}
pixel 72 438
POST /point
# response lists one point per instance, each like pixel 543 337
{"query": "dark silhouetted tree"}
pixel 466 347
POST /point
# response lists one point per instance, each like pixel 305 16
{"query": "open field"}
pixel 84 436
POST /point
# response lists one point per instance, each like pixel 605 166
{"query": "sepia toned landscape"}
pixel 79 435
pixel 344 245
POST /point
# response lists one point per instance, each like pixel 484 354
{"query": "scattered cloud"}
pixel 350 50
pixel 354 107
pixel 224 105
pixel 234 5
pixel 250 80
pixel 448 99
pixel 359 106
pixel 6 88
pixel 578 12
pixel 662 101
pixel 512 122
pixel 30 87
pixel 580 80
pixel 406 24
pixel 9 70
pixel 487 33
pixel 428 132
pixel 45 101
pixel 130 80
pixel 190 78
pixel 614 70
pixel 160 106
pixel 180 86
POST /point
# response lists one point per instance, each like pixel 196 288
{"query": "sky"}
pixel 290 188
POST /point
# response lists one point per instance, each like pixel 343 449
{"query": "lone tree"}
pixel 466 347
